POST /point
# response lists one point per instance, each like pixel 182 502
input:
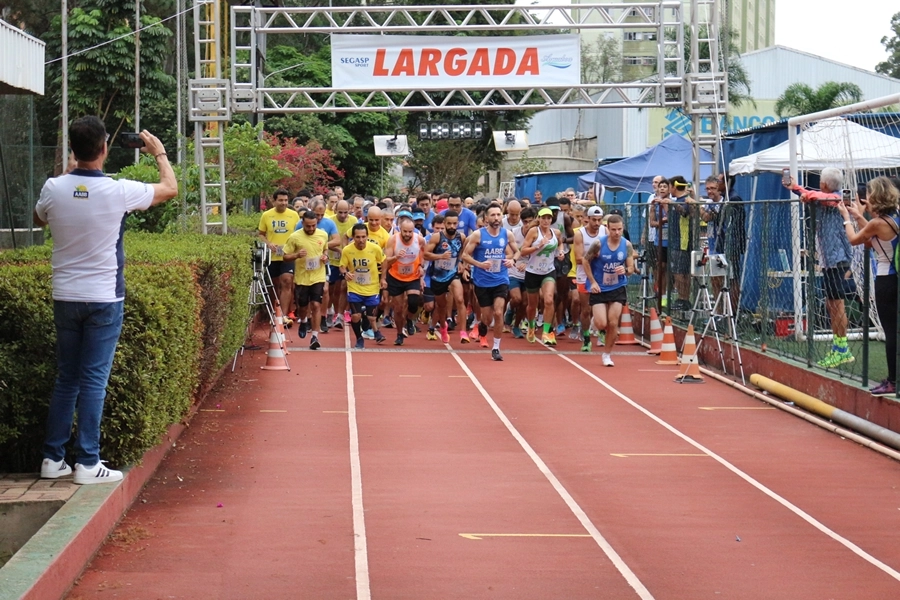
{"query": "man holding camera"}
pixel 86 213
pixel 275 226
pixel 833 255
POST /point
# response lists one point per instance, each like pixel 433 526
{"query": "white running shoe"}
pixel 51 469
pixel 607 360
pixel 96 474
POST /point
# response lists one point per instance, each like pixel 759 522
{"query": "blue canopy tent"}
pixel 548 183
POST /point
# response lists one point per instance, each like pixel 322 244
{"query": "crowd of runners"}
pixel 441 264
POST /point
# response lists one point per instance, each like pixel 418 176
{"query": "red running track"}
pixel 544 476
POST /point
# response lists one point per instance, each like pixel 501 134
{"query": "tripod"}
pixel 721 307
pixel 260 288
pixel 647 292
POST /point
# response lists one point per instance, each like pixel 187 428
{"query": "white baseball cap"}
pixel 595 211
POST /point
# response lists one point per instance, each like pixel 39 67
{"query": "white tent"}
pixel 834 142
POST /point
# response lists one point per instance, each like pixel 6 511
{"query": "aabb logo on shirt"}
pixel 80 192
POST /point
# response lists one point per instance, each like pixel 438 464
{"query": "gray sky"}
pixel 848 32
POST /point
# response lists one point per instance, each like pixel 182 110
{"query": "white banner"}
pixel 405 62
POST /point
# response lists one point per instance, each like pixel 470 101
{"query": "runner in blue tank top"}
pixel 491 252
pixel 443 249
pixel 607 264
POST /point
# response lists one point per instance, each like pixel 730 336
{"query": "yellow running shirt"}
pixel 308 269
pixel 334 256
pixel 278 227
pixel 365 265
pixel 379 237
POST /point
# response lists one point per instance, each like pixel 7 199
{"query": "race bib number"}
pixel 363 278
pixel 544 264
pixel 445 264
pixel 405 269
pixel 610 279
pixel 334 255
pixel 496 265
pixel 312 263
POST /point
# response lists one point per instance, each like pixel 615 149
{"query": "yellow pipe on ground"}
pixel 797 397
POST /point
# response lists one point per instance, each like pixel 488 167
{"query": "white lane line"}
pixel 771 494
pixel 360 549
pixel 579 513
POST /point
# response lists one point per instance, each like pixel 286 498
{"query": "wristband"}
pixel 160 154
pixel 847 222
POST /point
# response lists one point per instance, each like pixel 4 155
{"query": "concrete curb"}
pixel 52 560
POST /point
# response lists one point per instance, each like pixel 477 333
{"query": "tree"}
pixel 310 166
pixel 891 67
pixel 800 99
pixel 601 61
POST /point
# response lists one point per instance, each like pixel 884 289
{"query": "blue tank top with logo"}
pixel 493 249
pixel 604 266
pixel 445 269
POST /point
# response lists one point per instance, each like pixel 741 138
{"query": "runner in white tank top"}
pixel 585 237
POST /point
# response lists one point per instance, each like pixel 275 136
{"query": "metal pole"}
pixel 64 153
pixel 867 278
pixel 179 49
pixel 137 74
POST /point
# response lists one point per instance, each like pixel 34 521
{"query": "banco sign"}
pixel 403 62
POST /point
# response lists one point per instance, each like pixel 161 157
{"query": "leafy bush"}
pixel 185 315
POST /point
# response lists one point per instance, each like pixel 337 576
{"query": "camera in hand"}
pixel 847 196
pixel 130 140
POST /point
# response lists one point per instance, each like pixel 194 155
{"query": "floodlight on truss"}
pixel 391 145
pixel 511 140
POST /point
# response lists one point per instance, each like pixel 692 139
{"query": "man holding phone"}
pixel 833 255
pixel 85 210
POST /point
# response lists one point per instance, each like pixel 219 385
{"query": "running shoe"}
pixel 885 388
pixel 445 335
pixel 545 338
pixel 325 326
pixel 302 329
pixel 338 324
pixel 368 334
pixel 327 321
pixel 495 354
pixel 399 340
pixel 552 337
pixel 836 358
pixel 560 329
pixel 387 323
pixel 607 360
pixel 451 324
pixel 517 333
pixel 484 343
pixel 314 343
pixel 360 344
pixel 410 328
pixel 346 316
pixel 292 316
pixel 601 338
pixel 575 334
pixel 586 347
pixel 464 337
pixel 286 322
pixel 470 320
pixel 529 334
pixel 431 335
pixel 379 338
pixel 506 328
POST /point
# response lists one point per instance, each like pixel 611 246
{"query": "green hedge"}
pixel 185 315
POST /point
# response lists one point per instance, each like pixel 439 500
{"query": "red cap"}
pixel 441 205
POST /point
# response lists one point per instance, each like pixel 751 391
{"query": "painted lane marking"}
pixel 478 536
pixel 273 411
pixel 212 410
pixel 627 455
pixel 360 545
pixel 336 412
pixel 357 375
pixel 737 408
pixel 753 482
pixel 410 375
pixel 579 513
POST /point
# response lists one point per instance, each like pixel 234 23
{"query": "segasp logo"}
pixel 457 62
pixel 355 61
pixel 559 61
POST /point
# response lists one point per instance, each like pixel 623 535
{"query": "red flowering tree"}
pixel 310 166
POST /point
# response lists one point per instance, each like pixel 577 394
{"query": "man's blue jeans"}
pixel 86 338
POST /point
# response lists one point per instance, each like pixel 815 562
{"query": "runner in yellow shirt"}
pixel 337 287
pixel 275 226
pixel 377 234
pixel 309 246
pixel 361 263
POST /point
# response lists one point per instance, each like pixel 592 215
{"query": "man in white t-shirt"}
pixel 86 213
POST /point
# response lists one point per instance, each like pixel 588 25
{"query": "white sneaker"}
pixel 96 474
pixel 368 334
pixel 51 469
pixel 607 360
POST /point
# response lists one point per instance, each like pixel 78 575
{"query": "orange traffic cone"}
pixel 626 330
pixel 669 353
pixel 689 371
pixel 656 333
pixel 275 357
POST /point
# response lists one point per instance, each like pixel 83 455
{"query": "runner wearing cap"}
pixel 403 273
pixel 491 252
pixel 585 237
pixel 607 264
pixel 360 264
pixel 542 247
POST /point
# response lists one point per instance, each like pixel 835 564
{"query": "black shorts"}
pixel 305 294
pixel 679 261
pixel 277 268
pixel 838 282
pixel 534 282
pixel 395 287
pixel 486 295
pixel 334 274
pixel 619 295
pixel 439 288
pixel 563 266
pixel 427 294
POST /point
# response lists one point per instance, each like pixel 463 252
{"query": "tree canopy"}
pixel 801 99
pixel 891 67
